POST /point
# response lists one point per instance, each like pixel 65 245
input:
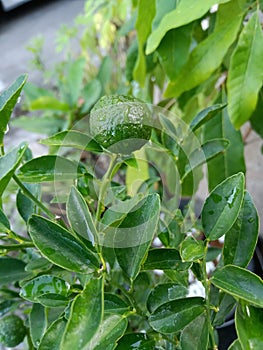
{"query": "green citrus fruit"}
pixel 12 331
pixel 120 123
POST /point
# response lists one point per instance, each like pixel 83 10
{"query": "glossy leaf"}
pixel 138 341
pixel 165 259
pixel 206 152
pixel 60 247
pixel 37 323
pixel 186 12
pixel 49 102
pixel 42 285
pixel 74 139
pixel 79 216
pixel 9 163
pixel 236 345
pixel 192 249
pixel 203 61
pixel 91 93
pixel 12 270
pixel 249 325
pixel 110 330
pixel 222 207
pixel 232 160
pixel 49 168
pixel 114 304
pixel 53 300
pixel 205 115
pixel 4 223
pixel 164 293
pixel 245 75
pixel 146 13
pixel 226 305
pixel 8 99
pixel 195 335
pixel 174 50
pixel 176 315
pixel 53 336
pixel 25 206
pixel 133 236
pixel 85 317
pixel 241 239
pixel 240 283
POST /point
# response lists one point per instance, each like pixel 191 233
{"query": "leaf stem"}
pixel 33 198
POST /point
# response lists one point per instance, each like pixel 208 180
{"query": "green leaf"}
pixel 37 323
pixel 135 341
pixel 187 11
pixel 49 168
pixel 225 306
pixel 256 118
pixel 39 125
pixel 241 239
pixel 8 164
pixel 32 92
pixel 203 61
pixel 222 207
pixel 174 50
pixel 232 160
pixel 53 336
pixel 8 99
pixel 236 345
pixel 134 235
pixel 162 8
pixel 249 325
pixel 110 330
pixel 240 283
pixel 72 138
pixel 60 247
pixel 91 93
pixel 176 315
pixel 53 300
pixel 42 285
pixel 204 153
pixel 85 318
pixel 79 216
pixel 205 115
pixel 114 304
pixel 49 103
pixel 12 270
pixel 6 306
pixel 146 13
pixel 74 80
pixel 195 335
pixel 25 206
pixel 164 293
pixel 192 249
pixel 245 75
pixel 165 259
pixel 4 223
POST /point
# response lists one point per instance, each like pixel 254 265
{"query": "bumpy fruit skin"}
pixel 120 123
pixel 12 331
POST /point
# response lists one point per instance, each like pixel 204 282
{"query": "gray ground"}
pixel 46 17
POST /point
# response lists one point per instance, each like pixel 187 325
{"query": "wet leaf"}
pixel 42 285
pixel 37 323
pixel 240 283
pixel 49 168
pixel 8 99
pixel 249 325
pixel 241 239
pixel 79 216
pixel 85 317
pixel 192 249
pixel 176 315
pixel 163 293
pixel 222 207
pixel 60 247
